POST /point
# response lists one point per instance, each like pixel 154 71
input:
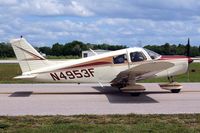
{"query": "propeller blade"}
pixel 188 48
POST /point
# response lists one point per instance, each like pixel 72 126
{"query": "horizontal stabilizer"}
pixel 26 77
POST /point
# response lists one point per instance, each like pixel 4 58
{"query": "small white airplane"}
pixel 121 68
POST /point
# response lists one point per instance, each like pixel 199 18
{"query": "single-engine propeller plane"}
pixel 121 68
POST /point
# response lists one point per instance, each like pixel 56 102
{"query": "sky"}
pixel 127 22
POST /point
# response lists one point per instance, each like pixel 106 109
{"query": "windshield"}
pixel 152 54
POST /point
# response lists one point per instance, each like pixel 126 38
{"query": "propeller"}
pixel 188 48
pixel 189 59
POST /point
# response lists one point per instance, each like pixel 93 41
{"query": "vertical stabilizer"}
pixel 29 59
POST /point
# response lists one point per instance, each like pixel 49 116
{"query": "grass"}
pixel 8 58
pixel 184 123
pixel 8 71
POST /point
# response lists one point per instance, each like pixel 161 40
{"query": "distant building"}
pixel 89 53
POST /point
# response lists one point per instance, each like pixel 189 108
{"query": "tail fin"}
pixel 29 59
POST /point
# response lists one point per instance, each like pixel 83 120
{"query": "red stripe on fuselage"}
pixel 172 57
pixel 92 64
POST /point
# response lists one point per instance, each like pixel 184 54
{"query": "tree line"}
pixel 75 48
pixel 180 49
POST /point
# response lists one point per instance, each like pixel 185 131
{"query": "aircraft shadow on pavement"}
pixel 21 94
pixel 115 96
pixel 29 93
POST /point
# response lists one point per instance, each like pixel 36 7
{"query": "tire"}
pixel 175 90
pixel 119 89
pixel 136 94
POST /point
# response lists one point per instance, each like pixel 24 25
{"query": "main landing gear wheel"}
pixel 135 94
pixel 119 89
pixel 175 90
pixel 133 90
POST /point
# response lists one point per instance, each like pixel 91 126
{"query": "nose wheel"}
pixel 175 90
pixel 172 86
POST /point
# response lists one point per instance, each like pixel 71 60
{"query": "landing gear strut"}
pixel 170 79
pixel 128 85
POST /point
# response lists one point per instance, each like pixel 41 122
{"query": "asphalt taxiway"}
pixel 73 99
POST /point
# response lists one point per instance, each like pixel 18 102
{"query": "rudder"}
pixel 29 59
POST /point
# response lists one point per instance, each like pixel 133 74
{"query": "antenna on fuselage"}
pixel 93 51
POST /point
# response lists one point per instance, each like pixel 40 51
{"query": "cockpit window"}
pixel 152 54
pixel 137 56
pixel 119 59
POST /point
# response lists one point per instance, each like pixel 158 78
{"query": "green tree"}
pixel 46 50
pixel 6 50
pixel 57 49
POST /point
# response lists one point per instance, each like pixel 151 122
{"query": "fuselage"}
pixel 105 67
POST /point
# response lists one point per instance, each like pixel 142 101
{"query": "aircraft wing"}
pixel 142 71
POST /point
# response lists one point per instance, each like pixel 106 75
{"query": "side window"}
pixel 119 59
pixel 137 56
pixel 85 55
